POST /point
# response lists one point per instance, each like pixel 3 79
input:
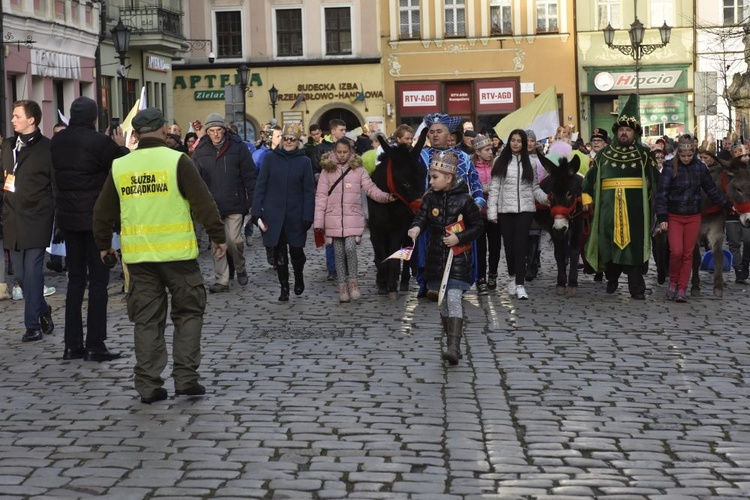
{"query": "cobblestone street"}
pixel 591 396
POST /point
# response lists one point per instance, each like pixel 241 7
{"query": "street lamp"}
pixel 637 49
pixel 121 40
pixel 273 93
pixel 242 72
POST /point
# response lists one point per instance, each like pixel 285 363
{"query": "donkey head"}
pixel 738 192
pixel 564 190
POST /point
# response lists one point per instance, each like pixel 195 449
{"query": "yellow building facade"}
pixel 479 60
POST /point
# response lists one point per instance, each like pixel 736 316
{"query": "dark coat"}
pixel 285 196
pixel 28 213
pixel 228 173
pixel 81 160
pixel 321 151
pixel 681 194
pixel 438 210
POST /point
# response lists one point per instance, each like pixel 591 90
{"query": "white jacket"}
pixel 512 194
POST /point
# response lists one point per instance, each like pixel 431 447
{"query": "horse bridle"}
pixel 414 204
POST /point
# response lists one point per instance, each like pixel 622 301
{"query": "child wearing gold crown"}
pixel 447 202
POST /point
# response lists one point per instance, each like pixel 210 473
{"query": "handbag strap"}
pixel 338 180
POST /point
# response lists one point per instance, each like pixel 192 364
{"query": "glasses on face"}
pixel 289 139
pixel 215 131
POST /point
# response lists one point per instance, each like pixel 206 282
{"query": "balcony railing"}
pixel 153 20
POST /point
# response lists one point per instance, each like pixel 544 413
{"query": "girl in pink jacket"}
pixel 338 210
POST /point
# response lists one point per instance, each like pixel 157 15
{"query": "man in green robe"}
pixel 620 187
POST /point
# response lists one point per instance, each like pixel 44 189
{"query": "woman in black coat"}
pixel 284 206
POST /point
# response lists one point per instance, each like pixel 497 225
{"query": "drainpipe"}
pixel 102 121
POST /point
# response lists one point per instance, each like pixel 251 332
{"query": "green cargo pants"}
pixel 147 308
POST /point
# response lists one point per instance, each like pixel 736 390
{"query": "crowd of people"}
pixel 481 194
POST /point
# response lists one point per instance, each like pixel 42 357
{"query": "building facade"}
pixel 48 56
pixel 479 59
pixel 309 62
pixel 664 80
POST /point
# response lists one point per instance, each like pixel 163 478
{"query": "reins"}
pixel 413 205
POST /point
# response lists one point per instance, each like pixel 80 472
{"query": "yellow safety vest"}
pixel 155 218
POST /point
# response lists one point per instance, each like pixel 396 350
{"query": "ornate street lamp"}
pixel 243 72
pixel 121 40
pixel 273 93
pixel 637 49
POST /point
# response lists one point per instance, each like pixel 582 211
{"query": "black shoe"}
pixel 242 278
pixel 105 355
pixel 74 353
pixel 32 335
pixel 159 394
pixel 598 277
pixel 218 288
pixel 492 281
pixel 193 390
pixel 284 295
pixel 612 286
pixel 638 296
pixel 45 322
pixel 55 266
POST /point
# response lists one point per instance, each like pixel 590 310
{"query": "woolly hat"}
pixel 83 110
pixel 481 141
pixel 530 134
pixel 214 120
pixel 629 116
pixel 445 162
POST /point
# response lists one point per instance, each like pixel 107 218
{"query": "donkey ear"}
pixel 548 164
pixel 574 165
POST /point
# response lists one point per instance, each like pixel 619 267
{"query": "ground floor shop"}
pixel 664 95
pixel 284 94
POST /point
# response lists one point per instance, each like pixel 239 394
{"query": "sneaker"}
pixel 17 293
pixel 194 390
pixel 331 277
pixel 512 287
pixel 482 288
pixel 49 290
pixel 521 292
pixel 218 288
pixel 681 296
pixel 672 292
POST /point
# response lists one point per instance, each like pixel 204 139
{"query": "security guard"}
pixel 152 191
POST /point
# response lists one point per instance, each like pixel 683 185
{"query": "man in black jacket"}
pixel 227 168
pixel 81 160
pixel 28 208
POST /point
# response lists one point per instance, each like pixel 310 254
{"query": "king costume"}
pixel 621 184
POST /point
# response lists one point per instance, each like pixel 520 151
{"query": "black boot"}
pixel 534 256
pixel 444 319
pixel 299 277
pixel 453 343
pixel 283 272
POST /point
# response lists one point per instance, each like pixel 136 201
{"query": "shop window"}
pixel 106 83
pixel 735 12
pixel 409 20
pixel 229 34
pixel 130 95
pixel 501 23
pixel 338 31
pixel 662 11
pixel 608 12
pixel 455 18
pixel 546 16
pixel 289 32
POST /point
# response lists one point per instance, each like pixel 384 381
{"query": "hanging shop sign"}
pixel 55 64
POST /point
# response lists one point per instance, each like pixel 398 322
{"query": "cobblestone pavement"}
pixel 592 396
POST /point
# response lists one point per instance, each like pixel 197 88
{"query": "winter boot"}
pixel 354 289
pixel 343 293
pixel 444 319
pixel 299 277
pixel 282 270
pixel 4 295
pixel 454 327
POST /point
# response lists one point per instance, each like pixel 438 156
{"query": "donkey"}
pixel 564 220
pixel 735 182
pixel 401 174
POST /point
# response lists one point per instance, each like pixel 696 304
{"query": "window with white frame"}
pixel 546 16
pixel 662 11
pixel 338 31
pixel 228 34
pixel 500 20
pixel 409 19
pixel 289 32
pixel 735 12
pixel 608 12
pixel 455 18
